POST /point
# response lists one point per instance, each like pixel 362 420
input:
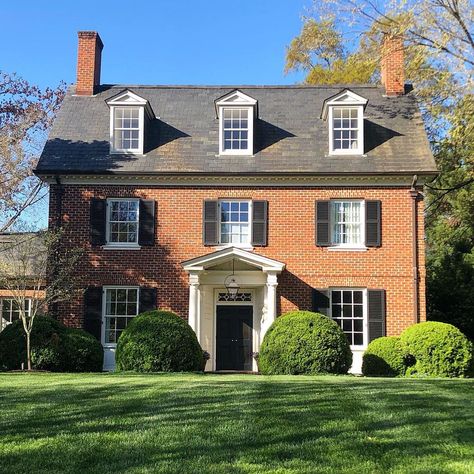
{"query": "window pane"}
pixel 352 321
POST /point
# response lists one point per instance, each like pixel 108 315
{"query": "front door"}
pixel 234 337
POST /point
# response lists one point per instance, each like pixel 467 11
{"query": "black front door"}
pixel 234 337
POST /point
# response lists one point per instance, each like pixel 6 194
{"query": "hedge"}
pixel 159 341
pixel 302 342
pixel 54 347
pixel 386 357
pixel 439 349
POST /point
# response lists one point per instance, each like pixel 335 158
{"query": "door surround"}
pixel 233 303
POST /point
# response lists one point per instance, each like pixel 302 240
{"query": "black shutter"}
pixel 259 223
pixel 98 217
pixel 376 310
pixel 93 311
pixel 321 301
pixel 147 300
pixel 210 222
pixel 146 227
pixel 323 231
pixel 373 219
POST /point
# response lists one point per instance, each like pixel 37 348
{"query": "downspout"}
pixel 59 202
pixel 57 226
pixel 414 196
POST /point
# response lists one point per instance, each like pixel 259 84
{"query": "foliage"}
pixel 159 341
pixel 386 357
pixel 302 342
pixel 54 347
pixel 450 226
pixel 39 267
pixel 26 114
pixel 439 349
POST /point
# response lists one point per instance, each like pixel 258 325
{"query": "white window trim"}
pixel 141 131
pixel 246 246
pixel 3 324
pixel 249 150
pixel 121 245
pixel 365 324
pixel 104 308
pixel 347 247
pixel 360 127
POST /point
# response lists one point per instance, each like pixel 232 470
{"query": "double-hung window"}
pixel 127 129
pixel 236 129
pixel 347 223
pixel 10 311
pixel 348 310
pixel 236 112
pixel 235 227
pixel 123 222
pixel 121 305
pixel 346 129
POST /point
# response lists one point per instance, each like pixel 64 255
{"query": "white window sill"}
pixel 244 155
pixel 121 247
pixel 239 246
pixel 347 249
pixel 358 348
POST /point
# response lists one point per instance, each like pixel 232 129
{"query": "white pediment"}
pixel 215 259
pixel 129 98
pixel 346 98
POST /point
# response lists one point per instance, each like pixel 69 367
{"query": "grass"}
pixel 64 423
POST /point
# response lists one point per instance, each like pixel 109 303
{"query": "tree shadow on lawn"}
pixel 218 421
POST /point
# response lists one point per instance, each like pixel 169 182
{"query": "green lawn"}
pixel 234 424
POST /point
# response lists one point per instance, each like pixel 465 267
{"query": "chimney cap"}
pixel 91 35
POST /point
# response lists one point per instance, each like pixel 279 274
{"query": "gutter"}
pixel 414 195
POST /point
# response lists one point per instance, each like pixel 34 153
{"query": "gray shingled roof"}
pixel 290 135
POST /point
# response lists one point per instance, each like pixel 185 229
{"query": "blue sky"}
pixel 153 42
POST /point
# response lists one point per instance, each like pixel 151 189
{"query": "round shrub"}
pixel 159 341
pixel 301 342
pixel 84 353
pixel 386 357
pixel 54 347
pixel 439 349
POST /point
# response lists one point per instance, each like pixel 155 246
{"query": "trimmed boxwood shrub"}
pixel 159 341
pixel 439 349
pixel 386 357
pixel 302 342
pixel 54 347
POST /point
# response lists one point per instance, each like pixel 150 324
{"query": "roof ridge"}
pixel 242 86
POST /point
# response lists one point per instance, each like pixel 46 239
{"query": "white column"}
pixel 193 318
pixel 270 303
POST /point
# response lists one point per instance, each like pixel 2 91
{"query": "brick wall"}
pixel 291 239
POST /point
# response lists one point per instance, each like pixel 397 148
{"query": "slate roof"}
pixel 290 136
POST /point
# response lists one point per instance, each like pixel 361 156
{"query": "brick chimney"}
pixel 89 56
pixel 392 65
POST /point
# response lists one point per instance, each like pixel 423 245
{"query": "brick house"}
pixel 231 205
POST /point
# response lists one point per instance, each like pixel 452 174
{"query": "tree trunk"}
pixel 28 351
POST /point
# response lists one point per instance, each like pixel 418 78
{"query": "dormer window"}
pixel 344 113
pixel 236 112
pixel 129 114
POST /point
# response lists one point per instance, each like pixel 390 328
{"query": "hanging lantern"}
pixel 231 284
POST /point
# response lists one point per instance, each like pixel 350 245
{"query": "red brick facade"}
pixel 291 239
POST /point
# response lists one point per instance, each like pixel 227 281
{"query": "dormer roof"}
pixel 235 98
pixel 345 97
pixel 129 98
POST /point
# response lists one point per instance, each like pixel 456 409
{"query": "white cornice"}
pixel 402 180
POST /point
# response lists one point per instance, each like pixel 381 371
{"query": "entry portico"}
pixel 219 331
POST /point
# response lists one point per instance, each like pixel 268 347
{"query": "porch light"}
pixel 231 284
